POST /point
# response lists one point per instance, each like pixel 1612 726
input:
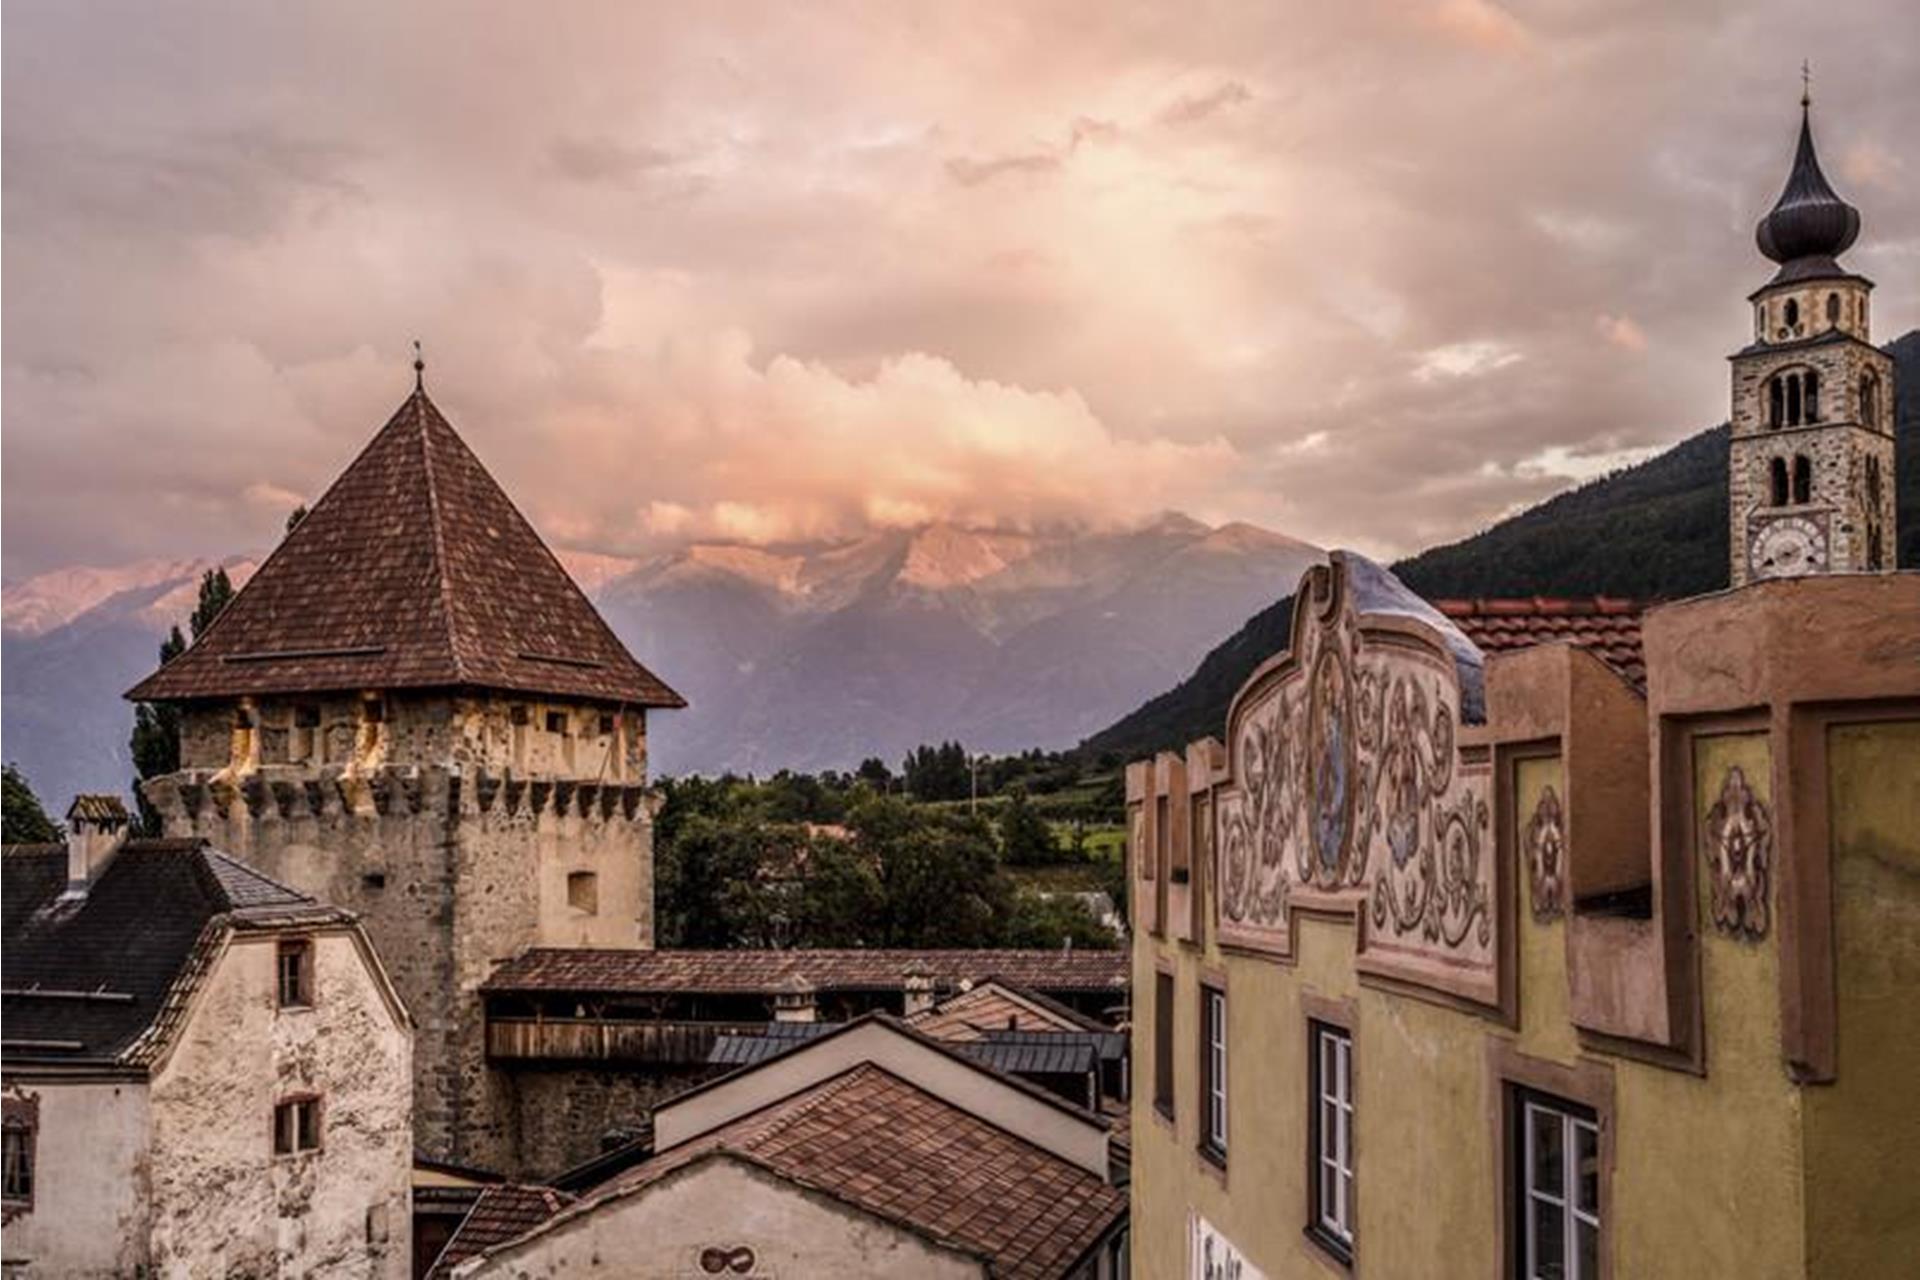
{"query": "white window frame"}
pixel 1333 1153
pixel 1213 1031
pixel 1537 1110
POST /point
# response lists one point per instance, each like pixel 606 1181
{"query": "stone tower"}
pixel 412 711
pixel 1811 466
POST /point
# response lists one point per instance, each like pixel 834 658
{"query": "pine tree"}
pixel 21 815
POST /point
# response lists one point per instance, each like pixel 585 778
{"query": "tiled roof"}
pixel 500 1214
pixel 751 972
pixel 96 808
pixel 1608 627
pixel 873 1140
pixel 94 979
pixel 413 570
pixel 995 1006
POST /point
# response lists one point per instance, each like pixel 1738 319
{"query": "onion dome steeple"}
pixel 1810 224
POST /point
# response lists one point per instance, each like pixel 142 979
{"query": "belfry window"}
pixel 1779 493
pixel 1870 402
pixel 1833 308
pixel 1776 402
pixel 1793 313
pixel 1793 399
pixel 1802 480
pixel 1811 379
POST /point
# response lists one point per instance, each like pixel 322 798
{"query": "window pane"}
pixel 1326 1200
pixel 309 1128
pixel 282 1129
pixel 1329 1131
pixel 1587 1149
pixel 1549 1245
pixel 1548 1154
pixel 1589 1250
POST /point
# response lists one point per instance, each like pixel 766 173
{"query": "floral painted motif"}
pixel 1257 831
pixel 1330 740
pixel 1739 850
pixel 1547 857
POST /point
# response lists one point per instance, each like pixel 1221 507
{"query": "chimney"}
pixel 96 828
pixel 919 987
pixel 794 1002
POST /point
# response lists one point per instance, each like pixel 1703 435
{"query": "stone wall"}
pixel 559 1115
pixel 461 830
pixel 223 1202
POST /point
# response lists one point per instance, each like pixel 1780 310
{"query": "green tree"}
pixel 1026 838
pixel 841 898
pixel 1052 921
pixel 155 744
pixel 21 815
pixel 939 874
pixel 295 516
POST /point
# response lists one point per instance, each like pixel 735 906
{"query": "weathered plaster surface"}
pixel 90 1210
pixel 728 1204
pixel 223 1203
pixel 1863 1213
pixel 451 830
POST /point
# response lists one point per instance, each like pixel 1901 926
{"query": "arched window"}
pixel 1833 308
pixel 1812 380
pixel 1779 494
pixel 1870 402
pixel 1802 480
pixel 1793 313
pixel 1793 399
pixel 1777 401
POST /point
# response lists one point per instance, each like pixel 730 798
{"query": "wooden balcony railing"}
pixel 607 1040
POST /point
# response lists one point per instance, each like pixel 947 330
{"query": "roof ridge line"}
pixel 436 533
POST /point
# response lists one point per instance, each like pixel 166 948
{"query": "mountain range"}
pixel 1655 531
pixel 806 657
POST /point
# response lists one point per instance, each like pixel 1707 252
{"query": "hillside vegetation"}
pixel 1655 531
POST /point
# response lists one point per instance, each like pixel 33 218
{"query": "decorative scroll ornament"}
pixel 1433 882
pixel 735 1261
pixel 1258 831
pixel 1739 849
pixel 1547 857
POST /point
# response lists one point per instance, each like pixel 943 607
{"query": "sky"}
pixel 1371 273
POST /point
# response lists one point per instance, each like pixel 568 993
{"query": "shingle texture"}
pixel 1608 627
pixel 413 571
pixel 502 1213
pixel 900 1153
pixel 87 978
pixel 749 972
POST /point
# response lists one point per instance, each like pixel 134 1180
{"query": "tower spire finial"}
pixel 419 368
pixel 1806 84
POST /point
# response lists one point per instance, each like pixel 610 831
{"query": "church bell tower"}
pixel 1811 467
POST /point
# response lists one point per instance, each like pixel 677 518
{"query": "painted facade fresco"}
pixel 1347 790
pixel 1545 842
pixel 1738 843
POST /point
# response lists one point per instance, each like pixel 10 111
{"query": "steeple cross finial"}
pixel 419 368
pixel 1806 84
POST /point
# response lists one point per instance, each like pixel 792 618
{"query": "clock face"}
pixel 1787 547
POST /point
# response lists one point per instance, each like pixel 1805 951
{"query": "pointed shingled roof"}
pixel 414 570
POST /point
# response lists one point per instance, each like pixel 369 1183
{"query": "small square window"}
pixel 606 726
pixel 556 722
pixel 374 710
pixel 583 891
pixel 306 716
pixel 295 975
pixel 296 1126
pixel 517 715
pixel 374 880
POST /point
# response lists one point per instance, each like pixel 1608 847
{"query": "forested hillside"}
pixel 1656 531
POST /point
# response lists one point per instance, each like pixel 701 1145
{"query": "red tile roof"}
pixel 754 972
pixel 1610 628
pixel 502 1213
pixel 873 1140
pixel 995 1006
pixel 413 570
